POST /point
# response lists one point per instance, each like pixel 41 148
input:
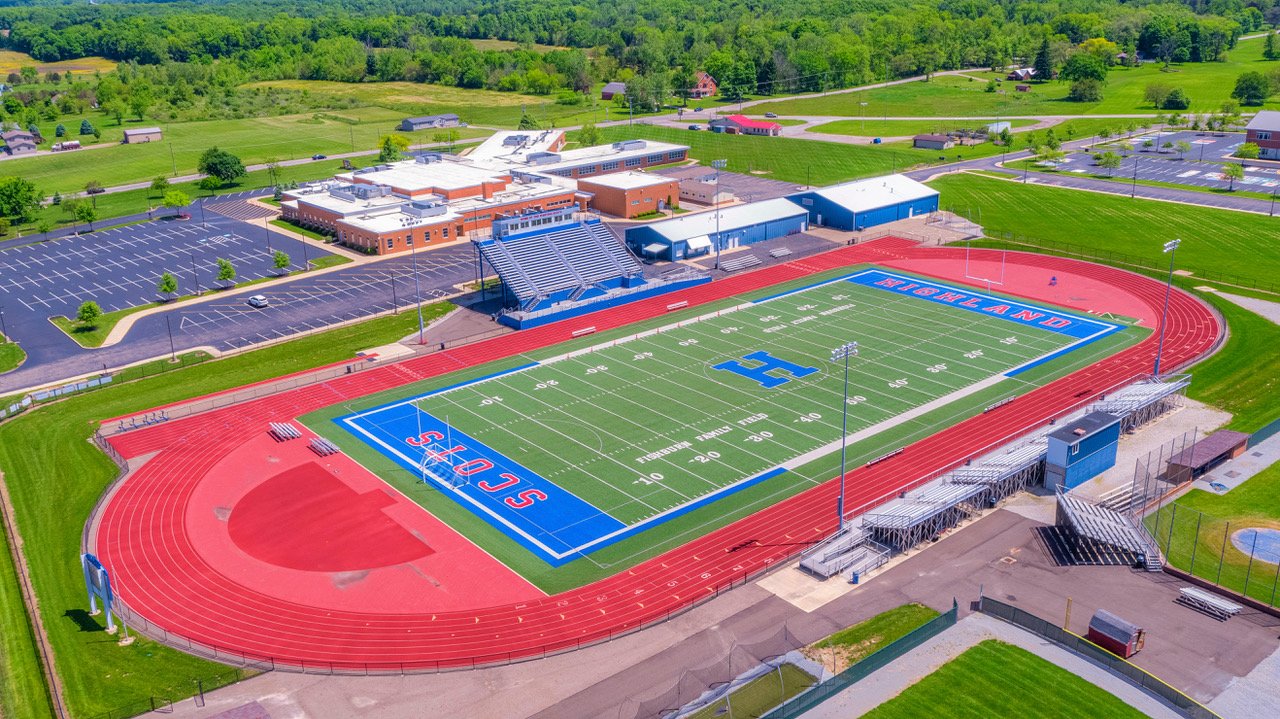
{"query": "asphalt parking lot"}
pixel 748 188
pixel 1201 167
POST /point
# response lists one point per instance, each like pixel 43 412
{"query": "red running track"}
pixel 164 578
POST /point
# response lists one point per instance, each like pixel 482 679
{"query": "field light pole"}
pixel 1133 189
pixel 719 165
pixel 417 290
pixel 843 352
pixel 1171 249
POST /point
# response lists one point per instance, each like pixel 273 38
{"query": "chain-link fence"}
pixel 1179 702
pixel 1234 553
pixel 163 700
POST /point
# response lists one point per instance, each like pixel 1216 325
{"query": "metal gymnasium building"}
pixel 437 198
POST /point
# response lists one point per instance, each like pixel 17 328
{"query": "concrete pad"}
pixel 803 590
pixel 389 352
pixel 1257 694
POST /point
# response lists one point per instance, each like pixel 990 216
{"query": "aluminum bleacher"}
pixel 561 263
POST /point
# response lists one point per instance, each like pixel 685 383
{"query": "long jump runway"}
pixel 182 568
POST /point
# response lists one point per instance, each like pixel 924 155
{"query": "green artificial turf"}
pixel 540 401
pixel 55 476
pixel 994 679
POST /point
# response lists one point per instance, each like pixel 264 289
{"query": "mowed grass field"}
pixel 1196 531
pixel 254 141
pixel 796 160
pixel 591 431
pixel 1243 377
pixel 903 128
pixel 1208 84
pixel 994 679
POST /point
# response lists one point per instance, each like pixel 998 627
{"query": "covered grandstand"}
pixel 553 265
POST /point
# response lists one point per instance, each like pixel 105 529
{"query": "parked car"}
pixel 695 127
pixel 258 301
pixel 771 115
pixel 318 156
pixel 697 109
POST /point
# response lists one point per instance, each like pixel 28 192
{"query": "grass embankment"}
pixel 797 160
pixel 759 695
pixel 850 646
pixel 1208 84
pixel 45 453
pixel 994 679
pixel 11 355
pixel 299 229
pixel 1097 173
pixel 1196 534
pixel 23 694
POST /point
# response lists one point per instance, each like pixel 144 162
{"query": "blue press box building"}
pixel 849 206
pixel 1080 451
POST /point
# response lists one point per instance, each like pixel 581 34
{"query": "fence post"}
pixel 1273 585
pixel 1222 556
pixel 1172 521
pixel 1195 543
pixel 1253 548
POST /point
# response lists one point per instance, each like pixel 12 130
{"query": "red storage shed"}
pixel 1115 634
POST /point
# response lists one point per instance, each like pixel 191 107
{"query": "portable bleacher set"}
pixel 553 265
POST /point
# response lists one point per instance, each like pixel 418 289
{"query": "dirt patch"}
pixel 839 658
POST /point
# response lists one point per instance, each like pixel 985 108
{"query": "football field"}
pixel 571 453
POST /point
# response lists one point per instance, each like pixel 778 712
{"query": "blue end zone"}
pixel 544 518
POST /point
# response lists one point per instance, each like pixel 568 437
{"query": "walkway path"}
pixel 922 661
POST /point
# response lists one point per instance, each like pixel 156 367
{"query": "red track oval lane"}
pixel 164 578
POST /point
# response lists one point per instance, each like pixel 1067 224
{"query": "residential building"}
pixel 612 90
pixel 1264 131
pixel 429 122
pixel 142 134
pixel 1022 73
pixel 19 142
pixel 703 86
pixel 743 125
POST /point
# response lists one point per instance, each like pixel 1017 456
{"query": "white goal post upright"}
pixel 968 246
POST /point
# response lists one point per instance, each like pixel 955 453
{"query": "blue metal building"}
pixel 861 204
pixel 1080 451
pixel 697 234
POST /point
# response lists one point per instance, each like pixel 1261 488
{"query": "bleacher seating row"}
pixel 565 263
pixel 779 252
pixel 283 431
pixel 1205 601
pixel 739 263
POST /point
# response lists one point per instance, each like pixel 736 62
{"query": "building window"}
pixel 408 240
pixel 1264 135
pixel 675 155
pixel 635 202
pixel 634 161
pixel 390 243
pixel 444 232
pixel 654 159
pixel 610 165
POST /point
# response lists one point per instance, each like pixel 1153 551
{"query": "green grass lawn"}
pixel 292 227
pixel 850 646
pixel 1195 533
pixel 994 679
pixel 23 694
pixel 796 160
pixel 44 454
pixel 1208 85
pixel 755 430
pixel 759 695
pixel 1243 378
pixel 899 128
pixel 1214 241
pixel 11 355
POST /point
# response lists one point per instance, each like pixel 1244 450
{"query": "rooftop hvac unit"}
pixel 514 140
pixel 427 158
pixel 630 145
pixel 543 158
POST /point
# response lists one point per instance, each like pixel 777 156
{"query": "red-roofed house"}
pixel 743 125
pixel 703 86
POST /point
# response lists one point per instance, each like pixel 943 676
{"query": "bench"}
pixel 1209 603
pixel 739 263
pixel 323 447
pixel 779 252
pixel 283 431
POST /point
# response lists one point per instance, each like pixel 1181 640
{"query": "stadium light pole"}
pixel 1133 189
pixel 1171 249
pixel 715 200
pixel 417 290
pixel 843 352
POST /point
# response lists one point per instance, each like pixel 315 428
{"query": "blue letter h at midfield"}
pixel 768 364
